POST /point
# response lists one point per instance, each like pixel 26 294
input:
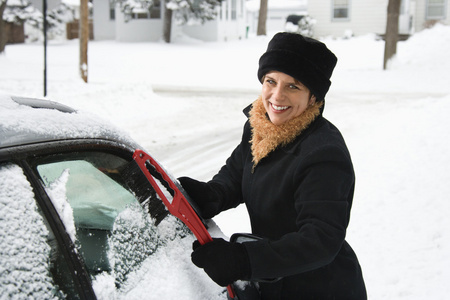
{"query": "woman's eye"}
pixel 270 81
pixel 294 87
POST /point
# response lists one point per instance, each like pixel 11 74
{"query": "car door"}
pixel 109 212
pixel 33 264
pixel 102 216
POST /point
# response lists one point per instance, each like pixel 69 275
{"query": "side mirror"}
pixel 248 237
pixel 244 237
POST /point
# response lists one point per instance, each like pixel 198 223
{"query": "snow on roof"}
pixel 71 2
pixel 22 123
pixel 253 5
pixel 19 3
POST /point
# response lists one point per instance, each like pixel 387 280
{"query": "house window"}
pixel 112 9
pixel 233 9
pixel 436 9
pixel 140 15
pixel 154 12
pixel 340 9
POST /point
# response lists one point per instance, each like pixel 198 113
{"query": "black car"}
pixel 76 217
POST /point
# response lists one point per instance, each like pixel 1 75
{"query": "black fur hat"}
pixel 306 59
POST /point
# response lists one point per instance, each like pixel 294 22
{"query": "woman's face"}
pixel 284 97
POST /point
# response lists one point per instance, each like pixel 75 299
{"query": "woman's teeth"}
pixel 279 108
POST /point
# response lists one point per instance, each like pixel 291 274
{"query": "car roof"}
pixel 30 120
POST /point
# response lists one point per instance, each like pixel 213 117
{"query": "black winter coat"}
pixel 299 199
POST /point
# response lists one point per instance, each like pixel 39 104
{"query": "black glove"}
pixel 223 261
pixel 206 198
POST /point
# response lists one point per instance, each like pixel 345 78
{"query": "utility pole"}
pixel 391 36
pixel 262 18
pixel 44 11
pixel 84 37
pixel 167 30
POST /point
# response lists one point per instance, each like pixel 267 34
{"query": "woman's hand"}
pixel 206 200
pixel 223 261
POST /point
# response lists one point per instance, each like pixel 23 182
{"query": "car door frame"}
pixel 24 155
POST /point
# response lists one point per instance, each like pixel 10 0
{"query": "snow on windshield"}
pixel 57 192
pixel 24 252
pixel 169 272
pixel 133 239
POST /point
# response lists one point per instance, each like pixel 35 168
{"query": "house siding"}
pixel 145 30
pixel 364 16
pixel 419 15
pixel 369 16
pixel 138 30
pixel 223 28
pixel 104 28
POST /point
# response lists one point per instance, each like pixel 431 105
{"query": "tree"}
pixel 2 26
pixel 24 12
pixel 18 13
pixel 128 6
pixel 262 18
pixel 391 37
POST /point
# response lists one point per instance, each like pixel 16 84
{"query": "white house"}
pixel 339 17
pixel 229 25
pixel 277 13
pixel 111 23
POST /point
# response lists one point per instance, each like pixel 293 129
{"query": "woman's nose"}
pixel 278 93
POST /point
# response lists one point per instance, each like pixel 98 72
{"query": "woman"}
pixel 294 173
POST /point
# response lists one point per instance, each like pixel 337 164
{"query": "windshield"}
pixel 104 211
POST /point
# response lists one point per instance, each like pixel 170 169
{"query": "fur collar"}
pixel 266 136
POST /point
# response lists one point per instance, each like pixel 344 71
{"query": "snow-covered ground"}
pixel 182 102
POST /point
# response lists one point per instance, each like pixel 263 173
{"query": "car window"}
pixel 30 259
pixel 94 196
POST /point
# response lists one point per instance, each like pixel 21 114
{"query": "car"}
pixel 78 220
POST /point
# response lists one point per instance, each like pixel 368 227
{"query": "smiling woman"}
pixel 294 173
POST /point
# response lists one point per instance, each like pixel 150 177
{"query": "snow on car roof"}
pixel 27 120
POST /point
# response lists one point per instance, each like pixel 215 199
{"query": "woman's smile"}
pixel 278 108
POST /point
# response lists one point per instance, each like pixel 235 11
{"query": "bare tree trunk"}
pixel 3 36
pixel 391 37
pixel 167 24
pixel 84 37
pixel 262 18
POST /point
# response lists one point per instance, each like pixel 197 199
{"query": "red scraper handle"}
pixel 179 206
